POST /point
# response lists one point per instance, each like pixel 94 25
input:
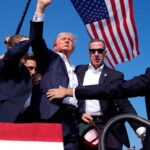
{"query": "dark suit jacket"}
pixel 53 71
pixel 137 86
pixel 113 108
pixel 15 83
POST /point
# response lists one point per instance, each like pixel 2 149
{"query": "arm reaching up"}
pixel 41 5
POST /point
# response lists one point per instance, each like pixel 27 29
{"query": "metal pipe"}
pixel 114 120
pixel 22 18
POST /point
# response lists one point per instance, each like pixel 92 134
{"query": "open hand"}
pixel 56 93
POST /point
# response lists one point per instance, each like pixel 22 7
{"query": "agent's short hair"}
pixel 13 40
pixel 28 56
pixel 97 40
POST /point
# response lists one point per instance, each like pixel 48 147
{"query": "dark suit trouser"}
pixel 146 145
pixel 68 117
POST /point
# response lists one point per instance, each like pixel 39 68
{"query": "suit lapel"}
pixel 102 79
pixel 104 75
pixel 81 73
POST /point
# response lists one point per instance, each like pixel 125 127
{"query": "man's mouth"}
pixel 97 59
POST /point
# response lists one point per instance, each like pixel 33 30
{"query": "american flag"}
pixel 112 21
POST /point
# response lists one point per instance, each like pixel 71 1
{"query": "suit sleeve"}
pixel 13 55
pixel 125 107
pixel 137 86
pixel 39 47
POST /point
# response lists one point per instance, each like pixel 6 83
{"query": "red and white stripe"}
pixel 118 32
pixel 38 136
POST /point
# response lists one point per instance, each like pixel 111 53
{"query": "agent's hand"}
pixel 56 93
pixel 86 117
pixel 142 137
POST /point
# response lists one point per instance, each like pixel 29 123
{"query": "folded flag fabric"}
pixel 39 136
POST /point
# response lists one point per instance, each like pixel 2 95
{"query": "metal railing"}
pixel 116 119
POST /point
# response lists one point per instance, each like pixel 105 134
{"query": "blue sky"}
pixel 61 16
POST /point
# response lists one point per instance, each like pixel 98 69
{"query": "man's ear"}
pixel 89 53
pixel 105 52
pixel 54 46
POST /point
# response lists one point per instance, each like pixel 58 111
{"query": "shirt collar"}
pixel 67 62
pixel 62 55
pixel 96 70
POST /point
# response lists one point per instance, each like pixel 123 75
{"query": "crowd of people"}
pixel 46 87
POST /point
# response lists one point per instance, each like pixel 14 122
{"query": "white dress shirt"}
pixel 73 81
pixel 92 76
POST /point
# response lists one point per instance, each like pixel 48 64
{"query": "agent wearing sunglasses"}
pixel 97 53
pixel 100 111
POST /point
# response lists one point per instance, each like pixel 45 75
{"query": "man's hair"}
pixel 62 33
pixel 28 56
pixel 97 40
pixel 13 40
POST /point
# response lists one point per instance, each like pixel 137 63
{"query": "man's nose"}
pixel 96 53
pixel 32 72
pixel 67 41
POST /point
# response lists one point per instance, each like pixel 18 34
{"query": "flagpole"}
pixel 23 16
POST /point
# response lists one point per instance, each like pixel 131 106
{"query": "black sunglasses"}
pixel 99 50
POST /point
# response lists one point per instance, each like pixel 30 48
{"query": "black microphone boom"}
pixel 22 18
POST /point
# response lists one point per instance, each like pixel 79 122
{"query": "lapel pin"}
pixel 105 75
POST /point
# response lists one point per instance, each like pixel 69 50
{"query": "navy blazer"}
pixel 137 86
pixel 113 108
pixel 53 71
pixel 15 83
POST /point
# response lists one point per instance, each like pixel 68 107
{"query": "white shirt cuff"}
pixel 74 93
pixel 140 131
pixel 38 17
